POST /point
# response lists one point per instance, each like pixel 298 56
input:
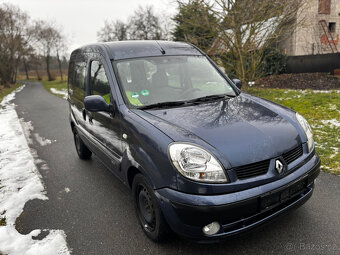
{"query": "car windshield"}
pixel 157 80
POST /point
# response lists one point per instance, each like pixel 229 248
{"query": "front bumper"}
pixel 237 212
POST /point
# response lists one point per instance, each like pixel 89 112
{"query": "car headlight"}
pixel 308 130
pixel 196 163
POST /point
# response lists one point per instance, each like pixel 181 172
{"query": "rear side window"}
pixel 77 78
pixel 99 82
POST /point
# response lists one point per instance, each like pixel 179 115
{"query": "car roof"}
pixel 135 49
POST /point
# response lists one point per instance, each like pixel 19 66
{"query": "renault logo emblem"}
pixel 278 166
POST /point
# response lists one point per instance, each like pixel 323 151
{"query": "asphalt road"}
pixel 97 213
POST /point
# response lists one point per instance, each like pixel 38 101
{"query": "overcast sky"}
pixel 81 19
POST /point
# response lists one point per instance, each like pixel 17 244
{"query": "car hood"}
pixel 243 130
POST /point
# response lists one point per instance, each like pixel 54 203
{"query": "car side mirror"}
pixel 238 83
pixel 96 103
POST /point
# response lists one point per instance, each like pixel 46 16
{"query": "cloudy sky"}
pixel 81 19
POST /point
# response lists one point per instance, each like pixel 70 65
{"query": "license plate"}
pixel 283 195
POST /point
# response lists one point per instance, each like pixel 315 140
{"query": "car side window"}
pixel 99 81
pixel 77 81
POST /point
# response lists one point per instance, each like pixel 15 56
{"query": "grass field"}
pixel 5 91
pixel 57 87
pixel 322 110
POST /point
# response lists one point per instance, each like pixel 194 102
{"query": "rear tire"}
pixel 82 150
pixel 148 211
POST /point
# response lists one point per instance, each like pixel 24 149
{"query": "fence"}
pixel 313 63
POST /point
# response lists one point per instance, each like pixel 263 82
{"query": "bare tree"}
pixel 48 38
pixel 113 31
pixel 245 29
pixel 15 35
pixel 144 25
pixel 60 50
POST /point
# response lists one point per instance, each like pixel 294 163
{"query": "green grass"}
pixel 3 221
pixel 4 92
pixel 318 108
pixel 57 84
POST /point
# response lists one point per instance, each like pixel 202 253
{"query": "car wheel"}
pixel 149 213
pixel 82 150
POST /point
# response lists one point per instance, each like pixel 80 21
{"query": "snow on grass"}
pixel 335 151
pixel 310 91
pixel 331 123
pixel 20 182
pixel 59 92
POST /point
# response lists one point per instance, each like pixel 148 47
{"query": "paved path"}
pixel 96 212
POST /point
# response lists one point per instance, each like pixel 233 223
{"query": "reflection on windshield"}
pixel 154 80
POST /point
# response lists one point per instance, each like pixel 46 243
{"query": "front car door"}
pixel 104 127
pixel 76 86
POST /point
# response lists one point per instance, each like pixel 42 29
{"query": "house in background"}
pixel 317 31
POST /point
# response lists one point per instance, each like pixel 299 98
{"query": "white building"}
pixel 317 31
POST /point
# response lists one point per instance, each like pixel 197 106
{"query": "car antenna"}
pixel 162 50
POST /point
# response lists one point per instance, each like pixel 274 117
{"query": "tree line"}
pixel 242 36
pixel 25 43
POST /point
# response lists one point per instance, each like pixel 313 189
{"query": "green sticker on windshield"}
pixel 134 95
pixel 145 92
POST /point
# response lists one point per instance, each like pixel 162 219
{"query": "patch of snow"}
pixel 320 146
pixel 325 91
pixel 7 99
pixel 41 140
pixel 62 92
pixel 67 190
pixel 335 152
pixel 332 107
pixel 20 182
pixel 44 167
pixel 17 244
pixel 332 122
pixel 311 91
pixel 27 128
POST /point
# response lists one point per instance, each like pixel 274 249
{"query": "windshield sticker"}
pixel 134 95
pixel 145 92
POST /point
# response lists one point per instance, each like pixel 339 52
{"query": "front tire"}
pixel 149 213
pixel 82 150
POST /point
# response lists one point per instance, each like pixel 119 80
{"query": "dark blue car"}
pixel 202 158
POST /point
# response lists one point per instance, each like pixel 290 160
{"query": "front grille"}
pixel 252 170
pixel 293 154
pixel 260 168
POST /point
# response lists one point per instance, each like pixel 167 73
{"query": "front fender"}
pixel 146 149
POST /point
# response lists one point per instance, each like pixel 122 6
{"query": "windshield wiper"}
pixel 162 105
pixel 178 103
pixel 209 98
